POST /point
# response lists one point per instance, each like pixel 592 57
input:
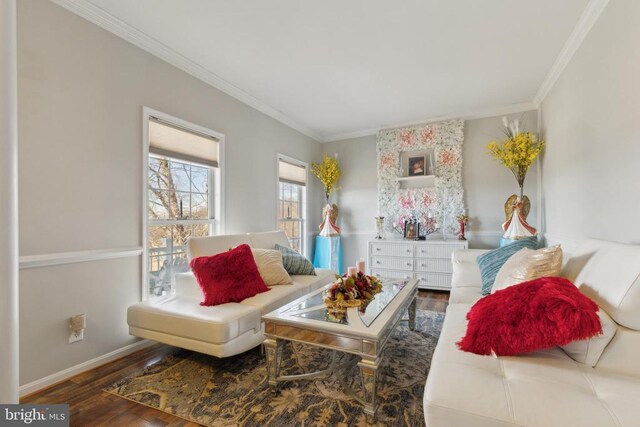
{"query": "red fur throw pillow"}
pixel 533 315
pixel 228 276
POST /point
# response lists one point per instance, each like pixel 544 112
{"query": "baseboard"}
pixel 65 374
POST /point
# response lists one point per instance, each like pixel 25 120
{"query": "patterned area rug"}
pixel 234 391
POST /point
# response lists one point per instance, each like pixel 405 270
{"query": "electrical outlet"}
pixel 76 328
pixel 76 336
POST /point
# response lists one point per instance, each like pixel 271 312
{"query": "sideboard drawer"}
pixel 392 263
pixel 426 260
pixel 434 280
pixel 437 251
pixel 391 274
pixel 392 249
pixel 433 265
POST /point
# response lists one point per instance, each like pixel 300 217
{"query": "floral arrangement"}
pixel 328 172
pixel 428 224
pixel 352 291
pixel 517 152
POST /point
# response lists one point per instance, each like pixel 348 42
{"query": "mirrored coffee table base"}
pixel 354 337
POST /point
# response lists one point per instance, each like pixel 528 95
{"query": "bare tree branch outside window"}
pixel 178 209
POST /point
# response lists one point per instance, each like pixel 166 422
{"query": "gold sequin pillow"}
pixel 528 264
pixel 269 262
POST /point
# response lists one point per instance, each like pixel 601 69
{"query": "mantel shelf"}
pixel 416 178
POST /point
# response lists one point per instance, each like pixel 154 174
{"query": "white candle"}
pixel 360 265
pixel 351 271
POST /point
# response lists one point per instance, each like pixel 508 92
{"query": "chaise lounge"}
pixel 221 330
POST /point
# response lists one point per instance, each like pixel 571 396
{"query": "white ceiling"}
pixel 335 68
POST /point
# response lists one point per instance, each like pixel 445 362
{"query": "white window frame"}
pixel 305 209
pixel 218 187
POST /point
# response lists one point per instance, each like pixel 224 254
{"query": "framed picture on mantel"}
pixel 417 166
pixel 411 230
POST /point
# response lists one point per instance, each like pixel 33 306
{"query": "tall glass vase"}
pixel 379 227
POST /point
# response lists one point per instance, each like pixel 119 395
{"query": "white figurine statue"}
pixel 329 217
pixel 516 226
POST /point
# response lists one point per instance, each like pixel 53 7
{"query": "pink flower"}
pixel 447 158
pixel 427 200
pixel 427 135
pixel 429 223
pixel 388 161
pixel 406 138
pixel 406 201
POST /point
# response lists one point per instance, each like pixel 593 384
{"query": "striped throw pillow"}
pixel 491 262
pixel 295 263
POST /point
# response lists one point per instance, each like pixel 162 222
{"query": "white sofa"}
pixel 222 330
pixel 546 388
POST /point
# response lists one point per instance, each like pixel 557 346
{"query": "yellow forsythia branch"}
pixel 328 172
pixel 517 153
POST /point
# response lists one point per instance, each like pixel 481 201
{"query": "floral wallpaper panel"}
pixel 444 200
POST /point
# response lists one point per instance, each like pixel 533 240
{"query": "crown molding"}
pixel 349 135
pixel 101 18
pixel 588 18
pixel 468 115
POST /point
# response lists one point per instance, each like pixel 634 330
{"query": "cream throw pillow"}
pixel 269 262
pixel 589 351
pixel 528 264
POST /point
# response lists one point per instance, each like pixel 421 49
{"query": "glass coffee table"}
pixel 363 333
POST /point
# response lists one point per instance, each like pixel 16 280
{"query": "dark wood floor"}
pixel 90 406
pixel 433 300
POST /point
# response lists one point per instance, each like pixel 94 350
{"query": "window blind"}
pixel 292 174
pixel 172 141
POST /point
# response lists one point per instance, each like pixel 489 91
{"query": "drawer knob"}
pixel 377 262
pixel 408 251
pixel 377 249
pixel 409 264
pixel 424 265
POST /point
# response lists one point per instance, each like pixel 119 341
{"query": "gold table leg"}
pixel 274 359
pixel 369 374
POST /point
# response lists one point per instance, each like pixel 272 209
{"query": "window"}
pixel 292 179
pixel 183 197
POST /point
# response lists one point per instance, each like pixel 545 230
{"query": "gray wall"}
pixel 486 186
pixel 357 197
pixel 590 120
pixel 81 93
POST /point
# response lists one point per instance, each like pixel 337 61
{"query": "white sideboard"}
pixel 427 260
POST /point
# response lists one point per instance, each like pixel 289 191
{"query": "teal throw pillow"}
pixel 295 263
pixel 491 262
